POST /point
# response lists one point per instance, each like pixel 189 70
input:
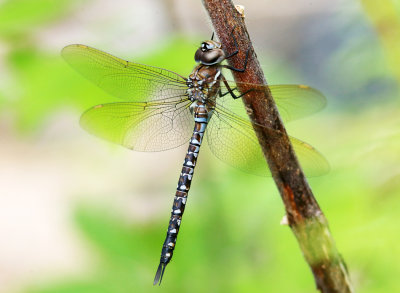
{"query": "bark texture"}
pixel 305 217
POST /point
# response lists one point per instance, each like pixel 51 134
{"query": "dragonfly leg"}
pixel 230 90
pixel 239 69
pixel 236 45
pixel 234 53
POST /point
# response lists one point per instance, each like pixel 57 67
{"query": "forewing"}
pixel 125 80
pixel 293 101
pixel 232 139
pixel 152 126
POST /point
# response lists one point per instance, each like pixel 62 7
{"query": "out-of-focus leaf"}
pixel 21 16
pixel 116 240
pixel 107 233
pixel 45 84
pixel 386 20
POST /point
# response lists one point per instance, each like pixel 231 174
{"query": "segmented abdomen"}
pixel 201 118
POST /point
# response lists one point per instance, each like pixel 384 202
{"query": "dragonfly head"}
pixel 209 53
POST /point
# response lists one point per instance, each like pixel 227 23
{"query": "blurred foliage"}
pixel 20 17
pixel 231 240
pixel 34 76
pixel 343 57
pixel 385 18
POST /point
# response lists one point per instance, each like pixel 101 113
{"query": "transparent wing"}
pixel 293 101
pixel 125 80
pixel 152 126
pixel 232 139
pixel 157 116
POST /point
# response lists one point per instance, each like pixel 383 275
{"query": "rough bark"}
pixel 304 215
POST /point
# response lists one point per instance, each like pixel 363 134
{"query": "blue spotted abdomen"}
pixel 202 115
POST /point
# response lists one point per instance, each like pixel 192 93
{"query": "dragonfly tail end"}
pixel 159 274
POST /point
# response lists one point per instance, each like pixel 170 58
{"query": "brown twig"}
pixel 303 213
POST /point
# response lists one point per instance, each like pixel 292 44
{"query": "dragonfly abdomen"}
pixel 201 118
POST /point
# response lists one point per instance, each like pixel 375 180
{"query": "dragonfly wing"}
pixel 235 145
pixel 293 101
pixel 125 80
pixel 233 140
pixel 151 126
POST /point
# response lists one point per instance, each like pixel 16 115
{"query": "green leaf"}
pixel 118 241
pixel 21 16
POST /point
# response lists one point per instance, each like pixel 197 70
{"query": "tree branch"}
pixel 305 217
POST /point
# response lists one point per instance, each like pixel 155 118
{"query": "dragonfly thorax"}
pixel 203 83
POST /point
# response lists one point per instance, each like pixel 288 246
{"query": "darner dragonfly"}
pixel 163 110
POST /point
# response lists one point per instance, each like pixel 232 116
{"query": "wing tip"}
pixel 68 48
pixel 75 46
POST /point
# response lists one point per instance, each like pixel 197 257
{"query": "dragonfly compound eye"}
pixel 205 47
pixel 209 57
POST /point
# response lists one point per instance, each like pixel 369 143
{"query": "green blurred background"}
pixel 79 215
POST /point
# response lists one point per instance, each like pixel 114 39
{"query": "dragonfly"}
pixel 160 110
